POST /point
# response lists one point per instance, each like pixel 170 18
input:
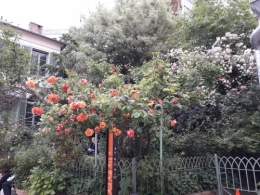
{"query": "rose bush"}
pixel 74 109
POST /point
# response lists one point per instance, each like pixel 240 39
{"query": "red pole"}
pixel 111 164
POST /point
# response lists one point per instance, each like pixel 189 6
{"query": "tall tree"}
pixel 127 34
pixel 14 62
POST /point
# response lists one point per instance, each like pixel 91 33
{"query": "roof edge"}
pixel 28 31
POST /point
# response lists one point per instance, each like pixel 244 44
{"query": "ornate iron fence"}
pixel 180 175
pixel 237 173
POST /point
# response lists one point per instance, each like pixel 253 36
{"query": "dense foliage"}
pixel 211 19
pixel 111 80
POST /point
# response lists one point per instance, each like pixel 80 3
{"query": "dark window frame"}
pixel 38 58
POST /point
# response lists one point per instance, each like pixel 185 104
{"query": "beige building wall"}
pixel 39 43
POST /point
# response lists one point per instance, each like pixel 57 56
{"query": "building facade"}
pixel 187 5
pixel 41 49
pixel 181 6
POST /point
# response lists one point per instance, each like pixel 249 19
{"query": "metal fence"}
pixel 179 176
pixel 237 173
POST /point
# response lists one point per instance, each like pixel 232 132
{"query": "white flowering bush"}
pixel 228 64
pixel 225 121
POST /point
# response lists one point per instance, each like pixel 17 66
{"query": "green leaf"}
pixel 137 114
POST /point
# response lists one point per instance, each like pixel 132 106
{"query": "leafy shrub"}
pixel 77 185
pixel 45 182
pixel 27 160
pixel 6 165
pixel 208 179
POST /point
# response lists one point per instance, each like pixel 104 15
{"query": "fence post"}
pixel 134 170
pixel 218 175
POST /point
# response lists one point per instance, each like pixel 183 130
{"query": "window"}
pixel 30 119
pixel 39 58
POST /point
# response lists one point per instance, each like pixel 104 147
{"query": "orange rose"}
pixel 151 103
pixel 37 110
pixel 30 83
pixel 102 125
pixel 65 86
pixel 74 105
pixel 135 95
pixel 126 115
pixel 82 104
pixel 51 79
pixel 89 132
pixel 113 92
pixel 118 132
pixel 114 129
pixel 53 98
pixel 82 117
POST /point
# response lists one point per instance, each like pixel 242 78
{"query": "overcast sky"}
pixel 51 14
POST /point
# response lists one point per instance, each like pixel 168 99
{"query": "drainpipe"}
pixel 255 36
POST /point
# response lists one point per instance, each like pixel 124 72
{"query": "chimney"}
pixel 36 28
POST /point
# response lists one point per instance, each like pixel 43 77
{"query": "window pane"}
pixel 34 58
pixel 38 58
pixel 43 58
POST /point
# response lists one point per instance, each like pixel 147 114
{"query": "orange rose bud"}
pixel 175 101
pixel 173 122
pixel 68 90
pixel 97 129
pixel 92 95
pixel 51 79
pixel 84 81
pixel 89 132
pixel 72 154
pixel 102 125
pixel 30 83
pixel 126 115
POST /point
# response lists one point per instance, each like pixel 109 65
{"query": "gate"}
pixel 237 173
